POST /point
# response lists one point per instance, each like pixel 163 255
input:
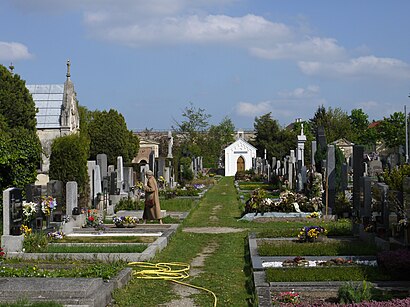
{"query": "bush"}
pixel 127 204
pixel 354 293
pixel 35 242
pixel 397 263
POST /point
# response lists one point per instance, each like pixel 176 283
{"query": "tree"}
pixel 108 134
pixel 218 137
pixel 16 104
pixel 193 129
pixel 335 121
pixel 20 148
pixel 270 136
pixel 393 130
pixel 68 162
pixel 361 133
pixel 20 151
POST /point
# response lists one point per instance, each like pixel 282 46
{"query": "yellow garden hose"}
pixel 172 271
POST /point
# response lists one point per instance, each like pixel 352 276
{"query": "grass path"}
pixel 224 269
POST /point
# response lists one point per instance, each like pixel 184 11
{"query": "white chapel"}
pixel 238 156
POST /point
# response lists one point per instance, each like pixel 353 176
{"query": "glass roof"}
pixel 49 100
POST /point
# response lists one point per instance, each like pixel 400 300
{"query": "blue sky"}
pixel 235 58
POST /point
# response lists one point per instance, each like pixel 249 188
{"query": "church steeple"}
pixel 68 70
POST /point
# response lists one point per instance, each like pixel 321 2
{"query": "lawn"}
pixel 329 248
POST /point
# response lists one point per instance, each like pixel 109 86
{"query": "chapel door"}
pixel 240 164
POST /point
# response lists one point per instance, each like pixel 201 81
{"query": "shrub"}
pixel 354 292
pixel 397 263
pixel 127 204
pixel 35 242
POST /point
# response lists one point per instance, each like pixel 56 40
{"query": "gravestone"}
pixel 113 184
pixel 358 170
pixel 331 176
pixel 111 169
pixel 55 188
pixel 97 187
pixel 128 179
pixel 71 196
pixel 12 211
pixel 321 137
pixel 151 162
pixel 314 149
pixel 120 174
pixel 90 170
pixel 366 205
pixel 375 168
pixel 161 166
pixel 12 239
pixel 34 192
pixel 303 172
pixel 385 218
pixel 102 163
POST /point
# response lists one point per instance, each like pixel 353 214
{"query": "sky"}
pixel 239 59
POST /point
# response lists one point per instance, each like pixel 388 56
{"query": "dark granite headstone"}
pixel 113 184
pixel 12 211
pixel 34 192
pixel 321 137
pixel 366 204
pixel 331 176
pixel 358 170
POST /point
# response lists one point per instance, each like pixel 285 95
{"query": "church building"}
pixel 57 116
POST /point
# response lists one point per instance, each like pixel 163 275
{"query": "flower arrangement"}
pixel 311 233
pixel 313 215
pixel 48 205
pixel 291 297
pixel 118 221
pixel 316 203
pixel 93 218
pixel 122 221
pixel 25 230
pixel 139 185
pixel 29 210
pixel 57 235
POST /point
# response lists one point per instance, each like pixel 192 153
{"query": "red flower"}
pixel 91 218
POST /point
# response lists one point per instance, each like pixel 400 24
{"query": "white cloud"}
pixel 11 51
pixel 312 48
pixel 362 66
pixel 301 93
pixel 244 30
pixel 250 110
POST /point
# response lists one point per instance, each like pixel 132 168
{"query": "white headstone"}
pixel 71 196
pixel 120 173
